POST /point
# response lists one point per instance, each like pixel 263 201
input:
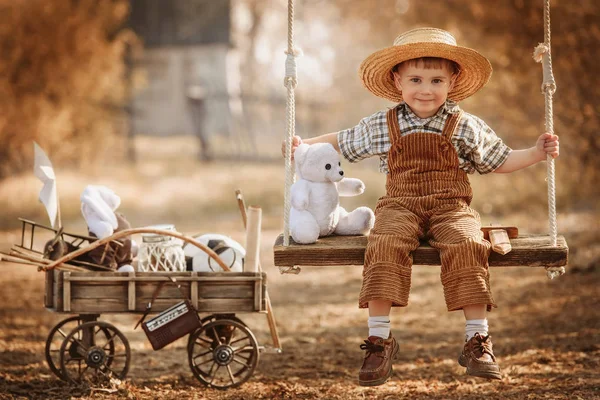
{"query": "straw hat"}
pixel 375 70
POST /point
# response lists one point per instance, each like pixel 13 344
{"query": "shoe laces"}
pixel 372 348
pixel 483 345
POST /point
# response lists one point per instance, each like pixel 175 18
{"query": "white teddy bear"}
pixel 316 210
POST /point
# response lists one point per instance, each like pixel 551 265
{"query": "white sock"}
pixel 473 326
pixel 379 326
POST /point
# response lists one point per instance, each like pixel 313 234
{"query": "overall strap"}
pixel 155 295
pixel 393 126
pixel 452 124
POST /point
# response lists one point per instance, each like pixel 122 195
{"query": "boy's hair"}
pixel 430 63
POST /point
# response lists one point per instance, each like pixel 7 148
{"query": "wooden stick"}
pixel 25 250
pixel 242 206
pixel 8 258
pixel 29 258
pixel 48 261
pixel 133 231
pixel 253 238
pixel 19 260
pixel 89 264
pixel 270 315
pixel 27 253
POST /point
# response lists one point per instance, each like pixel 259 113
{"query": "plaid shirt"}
pixel 477 146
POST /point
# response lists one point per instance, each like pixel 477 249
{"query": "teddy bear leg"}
pixel 358 222
pixel 304 227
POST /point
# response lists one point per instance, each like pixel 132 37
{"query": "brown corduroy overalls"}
pixel 427 196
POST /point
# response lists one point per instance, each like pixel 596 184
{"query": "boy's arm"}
pixel 353 144
pixel 519 159
pixel 330 138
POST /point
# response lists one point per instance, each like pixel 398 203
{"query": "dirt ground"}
pixel 546 335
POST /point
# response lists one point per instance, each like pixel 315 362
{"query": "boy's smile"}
pixel 424 90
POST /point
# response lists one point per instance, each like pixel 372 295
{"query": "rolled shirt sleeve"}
pixel 355 143
pixel 479 148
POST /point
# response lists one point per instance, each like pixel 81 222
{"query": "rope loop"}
pixel 290 270
pixel 291 77
pixel 554 272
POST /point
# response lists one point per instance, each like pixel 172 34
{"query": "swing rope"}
pixel 542 54
pixel 290 82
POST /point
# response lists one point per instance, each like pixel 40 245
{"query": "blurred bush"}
pixel 62 80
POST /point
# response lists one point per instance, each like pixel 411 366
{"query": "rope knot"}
pixel 555 272
pixel 542 55
pixel 539 51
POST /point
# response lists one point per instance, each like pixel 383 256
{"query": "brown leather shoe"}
pixel 478 357
pixel 377 365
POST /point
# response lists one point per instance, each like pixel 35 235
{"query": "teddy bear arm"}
pixel 349 187
pixel 300 193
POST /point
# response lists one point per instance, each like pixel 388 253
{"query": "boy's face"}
pixel 424 90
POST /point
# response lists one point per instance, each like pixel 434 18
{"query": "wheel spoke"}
pixel 79 343
pixel 214 375
pixel 61 332
pixel 117 355
pixel 203 354
pixel 240 362
pixel 217 335
pixel 245 358
pixel 242 349
pixel 111 372
pixel 232 334
pixel 239 340
pixel 110 340
pixel 204 342
pixel 81 373
pixel 204 362
pixel 74 359
pixel 230 375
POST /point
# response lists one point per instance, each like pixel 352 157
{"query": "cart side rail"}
pixel 130 292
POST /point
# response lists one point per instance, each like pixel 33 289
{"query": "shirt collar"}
pixel 449 107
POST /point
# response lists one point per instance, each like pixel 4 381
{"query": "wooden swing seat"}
pixel 528 250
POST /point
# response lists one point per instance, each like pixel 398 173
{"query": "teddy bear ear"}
pixel 300 154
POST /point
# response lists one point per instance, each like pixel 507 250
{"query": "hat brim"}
pixel 375 70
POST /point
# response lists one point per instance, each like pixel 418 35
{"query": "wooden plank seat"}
pixel 527 250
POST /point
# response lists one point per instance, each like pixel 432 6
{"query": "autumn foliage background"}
pixel 64 82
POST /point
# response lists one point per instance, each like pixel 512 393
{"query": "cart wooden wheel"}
pixel 94 351
pixel 223 354
pixel 56 338
pixel 210 318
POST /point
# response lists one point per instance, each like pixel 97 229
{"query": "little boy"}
pixel 427 145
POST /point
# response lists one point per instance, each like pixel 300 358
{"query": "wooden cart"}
pixel 222 353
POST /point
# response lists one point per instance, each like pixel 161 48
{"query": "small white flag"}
pixel 43 171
